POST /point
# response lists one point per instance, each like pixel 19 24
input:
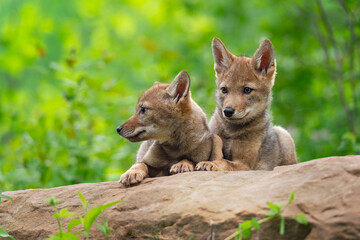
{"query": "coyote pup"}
pixel 174 130
pixel 242 117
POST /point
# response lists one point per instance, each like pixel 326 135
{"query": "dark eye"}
pixel 224 90
pixel 247 90
pixel 142 110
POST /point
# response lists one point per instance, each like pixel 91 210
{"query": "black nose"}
pixel 119 129
pixel 228 111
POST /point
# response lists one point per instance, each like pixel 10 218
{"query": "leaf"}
pixel 279 205
pixel 91 216
pixel 291 197
pixel 102 228
pixel 73 223
pixel 67 236
pixel 106 223
pixel 65 214
pixel 255 223
pixel 84 202
pixel 94 213
pixel 274 206
pixel 272 213
pixel 301 218
pixel 3 233
pixel 246 225
pixel 52 201
pixel 247 233
pixel 81 220
pixel 105 227
pixel 282 225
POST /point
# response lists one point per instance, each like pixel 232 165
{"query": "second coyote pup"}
pixel 174 130
pixel 242 117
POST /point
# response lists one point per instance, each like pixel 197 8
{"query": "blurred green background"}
pixel 72 71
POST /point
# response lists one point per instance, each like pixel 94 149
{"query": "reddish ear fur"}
pixel 179 88
pixel 222 57
pixel 264 58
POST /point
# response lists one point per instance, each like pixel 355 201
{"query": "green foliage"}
pixel 105 228
pixel 63 236
pixel 86 221
pixel 71 72
pixel 4 234
pixel 59 215
pixel 92 214
pixel 246 228
pixel 63 214
pixel 301 218
pixel 73 223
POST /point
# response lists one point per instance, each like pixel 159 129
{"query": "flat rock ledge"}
pixel 203 203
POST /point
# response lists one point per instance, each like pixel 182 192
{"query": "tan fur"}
pixel 174 130
pixel 250 142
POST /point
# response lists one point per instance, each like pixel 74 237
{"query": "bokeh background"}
pixel 72 71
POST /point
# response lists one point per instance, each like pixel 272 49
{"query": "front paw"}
pixel 182 166
pixel 132 176
pixel 206 166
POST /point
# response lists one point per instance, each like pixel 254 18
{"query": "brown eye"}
pixel 142 110
pixel 224 90
pixel 247 90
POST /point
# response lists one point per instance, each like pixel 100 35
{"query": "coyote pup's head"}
pixel 244 84
pixel 159 110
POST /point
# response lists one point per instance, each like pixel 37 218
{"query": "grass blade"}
pixel 282 225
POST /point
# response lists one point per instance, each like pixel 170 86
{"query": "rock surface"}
pixel 200 203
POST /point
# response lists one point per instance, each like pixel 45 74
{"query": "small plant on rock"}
pixel 247 227
pixel 86 221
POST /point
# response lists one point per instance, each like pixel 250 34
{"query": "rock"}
pixel 200 203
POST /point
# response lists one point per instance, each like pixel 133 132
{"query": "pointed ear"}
pixel 222 57
pixel 263 60
pixel 179 88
